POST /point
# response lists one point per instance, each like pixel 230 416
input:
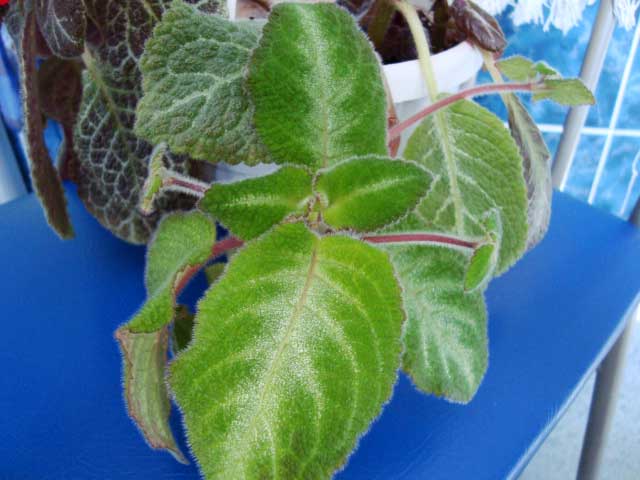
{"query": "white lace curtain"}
pixel 562 14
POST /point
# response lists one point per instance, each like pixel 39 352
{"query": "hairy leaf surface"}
pixel 537 168
pixel 316 84
pixel 370 192
pixel 144 357
pixel 63 24
pixel 476 168
pixel 112 159
pixel 195 96
pixel 183 241
pixel 565 91
pixel 45 177
pixel 251 207
pixel 295 351
pixel 521 69
pixel 445 340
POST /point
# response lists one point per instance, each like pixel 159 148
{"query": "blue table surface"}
pixel 552 318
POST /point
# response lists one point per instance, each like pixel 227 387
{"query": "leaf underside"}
pixel 317 89
pixel 370 192
pixel 182 241
pixel 45 177
pixel 195 96
pixel 476 168
pixel 445 339
pixel 295 351
pixel 251 207
pixel 144 357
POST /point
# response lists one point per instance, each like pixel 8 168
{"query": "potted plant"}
pixel 347 264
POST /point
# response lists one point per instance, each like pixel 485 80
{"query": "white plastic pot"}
pixel 455 68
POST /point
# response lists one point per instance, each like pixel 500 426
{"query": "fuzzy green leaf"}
pixel 369 192
pixel 195 97
pixel 316 84
pixel 182 330
pixel 537 169
pixel 144 357
pixel 522 69
pixel 251 207
pixel 182 242
pixel 477 168
pixel 481 267
pixel 295 351
pixel 570 91
pixel 445 340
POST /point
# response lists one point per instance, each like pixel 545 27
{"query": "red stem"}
pixel 183 183
pixel 397 130
pixel 421 238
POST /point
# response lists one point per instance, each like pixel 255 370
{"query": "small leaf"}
pixel 182 330
pixel 182 243
pixel 46 180
pixel 481 267
pixel 369 192
pixel 154 181
pixel 521 69
pixel 317 89
pixel 445 339
pixel 476 168
pixel 144 357
pixel 537 169
pixel 214 272
pixel 63 24
pixel 543 69
pixel 195 98
pixel 564 91
pixel 295 352
pixel 251 207
pixel 480 27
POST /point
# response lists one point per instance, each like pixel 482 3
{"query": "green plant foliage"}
pixel 144 358
pixel 195 98
pixel 445 339
pixel 521 69
pixel 537 168
pixel 317 89
pixel 182 327
pixel 183 241
pixel 295 351
pixel 477 168
pixel 482 264
pixel 370 192
pixel 565 92
pixel 251 207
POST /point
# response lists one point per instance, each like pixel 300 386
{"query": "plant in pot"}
pixel 347 263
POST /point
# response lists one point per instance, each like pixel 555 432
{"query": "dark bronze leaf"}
pixel 480 27
pixel 63 24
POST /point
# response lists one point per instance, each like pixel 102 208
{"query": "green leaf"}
pixel 537 169
pixel 182 243
pixel 522 69
pixel 294 353
pixel 46 180
pixel 481 267
pixel 477 168
pixel 369 192
pixel 251 207
pixel 195 96
pixel 569 91
pixel 63 24
pixel 144 358
pixel 445 339
pixel 317 89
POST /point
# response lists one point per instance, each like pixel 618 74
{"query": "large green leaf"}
pixel 144 358
pixel 183 241
pixel 316 84
pixel 445 340
pixel 195 98
pixel 477 168
pixel 369 192
pixel 537 169
pixel 294 353
pixel 251 207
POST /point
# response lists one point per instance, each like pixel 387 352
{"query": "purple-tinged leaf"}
pixel 480 27
pixel 63 24
pixel 45 177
